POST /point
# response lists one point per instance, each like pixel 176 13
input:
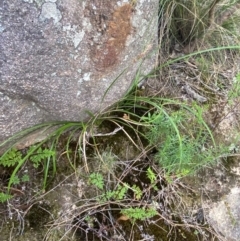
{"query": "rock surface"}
pixel 225 215
pixel 221 198
pixel 59 58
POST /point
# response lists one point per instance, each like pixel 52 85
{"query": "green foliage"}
pixel 180 138
pixel 151 175
pixel 16 180
pixel 25 178
pixel 121 192
pixel 137 192
pixel 40 155
pixel 96 179
pixel 162 126
pixel 13 156
pixel 118 194
pixel 35 154
pixel 10 158
pixel 169 157
pixel 4 197
pixel 137 213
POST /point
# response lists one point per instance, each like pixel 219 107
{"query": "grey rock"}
pixel 50 10
pixel 60 59
pixel 225 215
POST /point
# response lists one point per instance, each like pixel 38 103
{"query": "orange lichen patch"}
pixel 118 29
pixel 120 26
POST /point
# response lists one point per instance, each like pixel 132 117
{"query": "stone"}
pixel 61 59
pixel 225 215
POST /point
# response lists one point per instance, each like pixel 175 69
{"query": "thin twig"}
pixel 106 134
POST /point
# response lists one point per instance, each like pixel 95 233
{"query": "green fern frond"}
pixel 139 213
pixel 118 194
pixel 137 192
pixel 11 158
pixel 121 192
pixel 40 155
pixel 96 179
pixel 4 197
pixel 151 176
